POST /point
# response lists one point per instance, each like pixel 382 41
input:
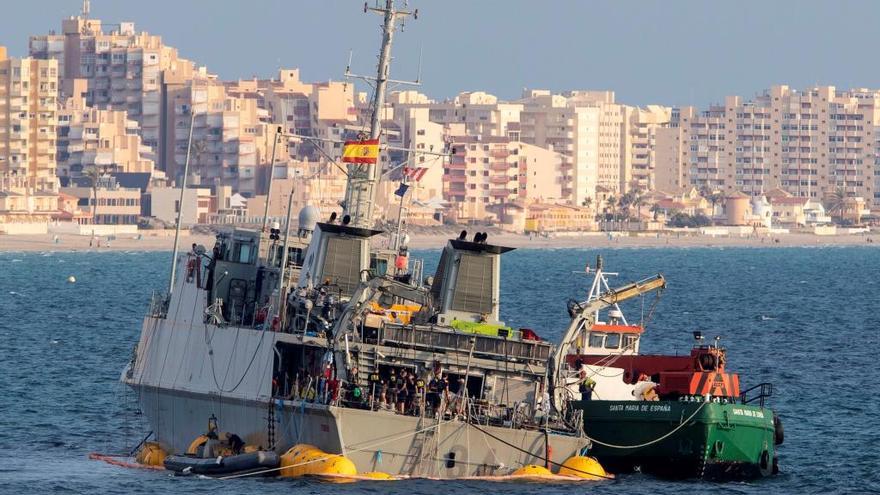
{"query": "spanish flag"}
pixel 361 151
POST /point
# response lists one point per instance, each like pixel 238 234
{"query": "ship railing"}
pixel 159 302
pixel 431 338
pixel 758 394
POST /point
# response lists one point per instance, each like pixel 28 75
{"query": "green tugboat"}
pixel 669 416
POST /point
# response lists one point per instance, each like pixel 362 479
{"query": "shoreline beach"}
pixel 147 242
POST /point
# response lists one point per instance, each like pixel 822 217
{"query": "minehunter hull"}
pixel 185 372
pixel 373 440
pixel 708 440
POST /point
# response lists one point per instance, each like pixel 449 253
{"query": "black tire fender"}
pixel 778 430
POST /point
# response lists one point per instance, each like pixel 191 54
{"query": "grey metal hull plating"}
pixel 373 440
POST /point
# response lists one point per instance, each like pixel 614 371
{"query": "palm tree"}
pixel 713 196
pixel 836 202
pixel 638 201
pixel 94 175
pixel 611 203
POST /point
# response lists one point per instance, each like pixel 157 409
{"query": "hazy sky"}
pixel 648 51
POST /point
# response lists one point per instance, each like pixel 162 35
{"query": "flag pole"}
pixel 175 249
pixel 400 215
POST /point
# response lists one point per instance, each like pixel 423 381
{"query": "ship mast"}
pixel 361 190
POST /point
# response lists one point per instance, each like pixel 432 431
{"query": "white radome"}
pixel 308 217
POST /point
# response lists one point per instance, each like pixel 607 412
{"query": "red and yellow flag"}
pixel 361 151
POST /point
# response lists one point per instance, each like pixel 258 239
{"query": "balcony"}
pixel 500 179
pixel 499 166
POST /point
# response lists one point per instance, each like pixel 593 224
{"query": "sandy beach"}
pixel 163 241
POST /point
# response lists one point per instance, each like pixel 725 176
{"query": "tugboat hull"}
pixel 681 439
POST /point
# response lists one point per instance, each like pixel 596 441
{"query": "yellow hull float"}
pixel 308 460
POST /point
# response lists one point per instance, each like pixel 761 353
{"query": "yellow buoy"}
pixel 151 454
pixel 533 471
pixel 308 460
pixel 580 466
pixel 378 475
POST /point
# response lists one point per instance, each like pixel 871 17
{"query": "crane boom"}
pixel 584 317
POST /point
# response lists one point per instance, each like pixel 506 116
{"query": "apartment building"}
pixel 810 143
pixel 550 122
pixel 90 137
pixel 487 171
pixel 325 110
pixel 644 126
pixel 231 142
pixel 28 120
pixel 124 68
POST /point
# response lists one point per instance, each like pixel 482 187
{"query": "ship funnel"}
pixel 466 285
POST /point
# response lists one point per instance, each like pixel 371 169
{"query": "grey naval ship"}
pixel 317 337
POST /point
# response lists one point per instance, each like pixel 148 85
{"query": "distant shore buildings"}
pixel 106 108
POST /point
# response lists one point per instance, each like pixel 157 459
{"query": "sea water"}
pixel 805 319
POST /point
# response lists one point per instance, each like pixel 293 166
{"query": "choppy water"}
pixel 804 319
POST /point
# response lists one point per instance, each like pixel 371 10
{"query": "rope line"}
pixel 540 458
pixel 652 442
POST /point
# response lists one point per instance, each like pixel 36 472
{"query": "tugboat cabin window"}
pixel 612 341
pixel 629 340
pixel 597 340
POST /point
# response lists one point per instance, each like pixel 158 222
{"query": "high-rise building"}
pixel 28 119
pixel 104 139
pixel 124 68
pixel 811 143
pixel 644 125
pixel 324 110
pixel 231 143
pixel 490 171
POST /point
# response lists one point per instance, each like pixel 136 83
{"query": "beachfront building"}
pixel 643 127
pixel 608 146
pixel 487 171
pixel 116 205
pixel 325 110
pixel 163 203
pixel 124 69
pixel 231 142
pixel 811 143
pixel 104 140
pixel 542 217
pixel 28 120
